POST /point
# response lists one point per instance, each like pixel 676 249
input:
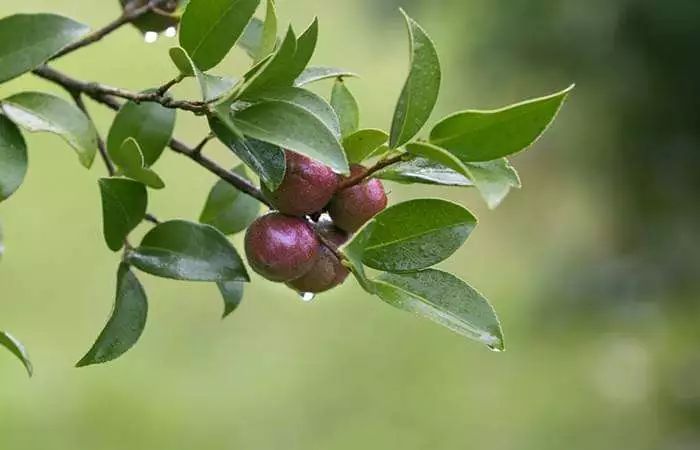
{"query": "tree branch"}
pixel 382 164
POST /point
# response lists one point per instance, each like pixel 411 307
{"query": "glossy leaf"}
pixel 488 135
pixel 35 111
pixel 445 299
pixel 273 72
pixel 211 86
pixel 227 208
pixel 438 155
pixel 354 252
pixel 420 91
pixel 417 234
pixel 209 28
pixel 16 348
pixel 306 45
pixel 363 144
pixel 315 73
pixel 124 205
pixel 313 103
pixel 232 293
pixel 13 158
pixel 125 325
pixel 424 171
pixel 346 107
pixel 266 160
pixel 268 37
pixel 184 250
pixel 29 40
pixel 493 179
pixel 129 158
pixel 295 128
pixel 149 124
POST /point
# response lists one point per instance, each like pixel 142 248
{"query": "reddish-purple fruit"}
pixel 281 248
pixel 328 272
pixel 352 207
pixel 306 188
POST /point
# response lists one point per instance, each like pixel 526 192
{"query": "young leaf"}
pixel 184 250
pixel 313 103
pixel 445 299
pixel 35 111
pixel 345 106
pixel 149 124
pixel 123 208
pixel 266 160
pixel 16 348
pixel 362 144
pixel 272 72
pixel 13 158
pixel 417 234
pixel 306 45
pixel 227 208
pixel 126 323
pixel 232 293
pixel 294 128
pixel 354 251
pixel 209 28
pixel 211 86
pixel 268 38
pixel 488 135
pixel 493 179
pixel 422 170
pixel 438 155
pixel 251 37
pixel 129 158
pixel 29 40
pixel 313 74
pixel 420 91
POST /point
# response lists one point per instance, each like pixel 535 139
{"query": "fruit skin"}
pixel 307 186
pixel 352 207
pixel 280 247
pixel 328 272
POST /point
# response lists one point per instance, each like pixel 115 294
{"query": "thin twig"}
pixel 78 99
pixel 151 218
pixel 382 164
pixel 166 87
pixel 199 147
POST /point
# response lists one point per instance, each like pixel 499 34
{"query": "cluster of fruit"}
pixel 284 245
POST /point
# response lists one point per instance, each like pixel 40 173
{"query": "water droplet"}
pixel 150 37
pixel 306 296
pixel 170 32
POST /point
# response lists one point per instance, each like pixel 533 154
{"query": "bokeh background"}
pixel 593 265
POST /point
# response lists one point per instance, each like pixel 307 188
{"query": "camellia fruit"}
pixel 352 207
pixel 306 188
pixel 281 247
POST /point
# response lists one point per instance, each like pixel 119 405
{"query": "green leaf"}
pixel 306 45
pixel 345 107
pixel 251 37
pixel 184 250
pixel 232 293
pixel 420 91
pixel 353 251
pixel 268 38
pixel 209 28
pixel 313 103
pixel 313 74
pixel 424 171
pixel 151 125
pixel 493 179
pixel 417 234
pixel 444 299
pixel 487 135
pixel 363 144
pixel 13 158
pixel 438 155
pixel 29 40
pixel 273 72
pixel 266 160
pixel 227 208
pixel 294 128
pixel 126 323
pixel 35 111
pixel 16 348
pixel 123 208
pixel 129 158
pixel 211 86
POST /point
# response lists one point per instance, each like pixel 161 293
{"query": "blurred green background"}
pixel 593 265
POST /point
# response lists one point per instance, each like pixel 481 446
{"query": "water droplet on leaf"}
pixel 170 32
pixel 150 37
pixel 306 296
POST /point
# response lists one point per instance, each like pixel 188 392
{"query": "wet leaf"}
pixel 211 86
pixel 232 294
pixel 315 73
pixel 227 208
pixel 13 158
pixel 16 348
pixel 130 160
pixel 363 144
pixel 346 107
pixel 124 205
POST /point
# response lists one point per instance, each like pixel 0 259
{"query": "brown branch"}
pixel 96 90
pixel 382 164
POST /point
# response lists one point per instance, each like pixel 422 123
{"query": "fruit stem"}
pixel 381 164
